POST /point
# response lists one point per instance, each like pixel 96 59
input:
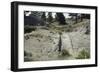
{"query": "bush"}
pixel 87 31
pixel 27 54
pixel 65 53
pixel 28 30
pixel 26 37
pixel 83 55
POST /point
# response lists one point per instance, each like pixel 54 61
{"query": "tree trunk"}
pixel 76 19
pixel 60 44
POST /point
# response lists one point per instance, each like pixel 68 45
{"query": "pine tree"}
pixel 74 15
pixel 85 16
pixel 50 18
pixel 43 17
pixel 60 18
pixel 82 17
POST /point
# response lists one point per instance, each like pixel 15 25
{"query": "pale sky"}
pixel 53 14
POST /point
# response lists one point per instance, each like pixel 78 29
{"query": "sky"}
pixel 53 14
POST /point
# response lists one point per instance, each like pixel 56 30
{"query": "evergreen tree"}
pixel 25 13
pixel 81 17
pixel 74 15
pixel 56 18
pixel 85 16
pixel 43 17
pixel 50 18
pixel 60 18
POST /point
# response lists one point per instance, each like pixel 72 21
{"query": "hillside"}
pixel 41 44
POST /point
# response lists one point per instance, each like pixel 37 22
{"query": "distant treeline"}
pixel 40 18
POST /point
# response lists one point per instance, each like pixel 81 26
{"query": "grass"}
pixel 83 55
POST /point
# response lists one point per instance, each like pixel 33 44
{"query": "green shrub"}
pixel 83 55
